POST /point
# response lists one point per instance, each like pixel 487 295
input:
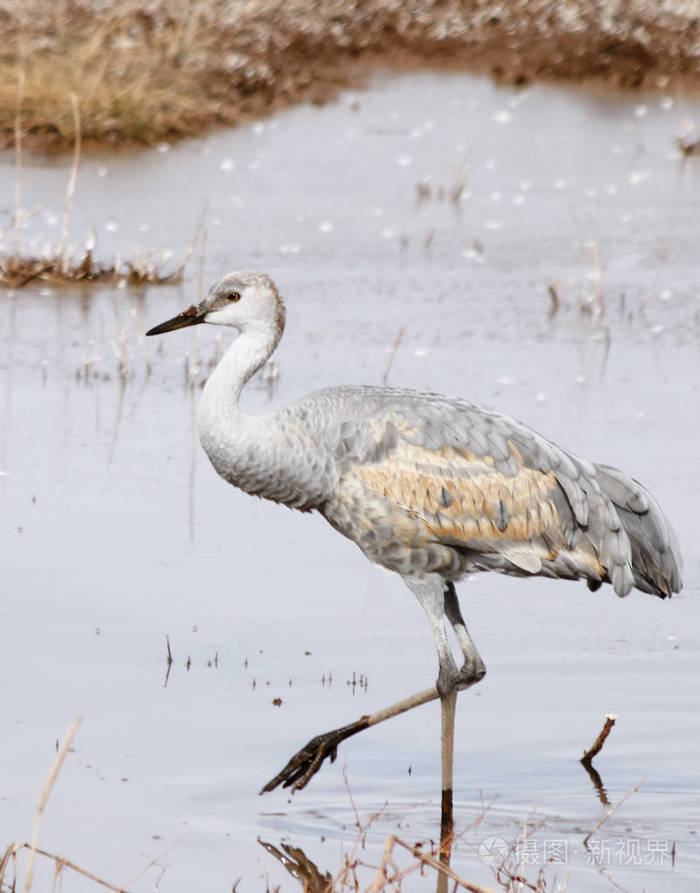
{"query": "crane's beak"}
pixel 193 316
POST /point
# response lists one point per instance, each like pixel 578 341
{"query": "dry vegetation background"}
pixel 146 71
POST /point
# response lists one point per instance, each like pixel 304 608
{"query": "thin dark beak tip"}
pixel 158 330
pixel 190 317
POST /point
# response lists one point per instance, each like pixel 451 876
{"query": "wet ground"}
pixel 533 250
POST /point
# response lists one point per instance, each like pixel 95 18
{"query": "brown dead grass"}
pixel 146 70
pixel 16 272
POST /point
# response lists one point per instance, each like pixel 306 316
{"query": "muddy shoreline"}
pixel 148 72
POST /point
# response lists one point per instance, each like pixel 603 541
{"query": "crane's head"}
pixel 242 300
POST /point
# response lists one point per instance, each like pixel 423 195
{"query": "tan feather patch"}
pixel 459 496
pixel 456 498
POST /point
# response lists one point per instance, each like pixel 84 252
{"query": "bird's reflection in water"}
pixel 386 874
pixel 298 864
pixel 313 880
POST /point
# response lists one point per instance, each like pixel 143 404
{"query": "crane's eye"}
pixel 234 296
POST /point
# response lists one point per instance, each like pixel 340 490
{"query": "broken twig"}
pixel 588 755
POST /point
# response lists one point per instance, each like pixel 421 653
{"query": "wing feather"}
pixel 483 485
pixel 423 481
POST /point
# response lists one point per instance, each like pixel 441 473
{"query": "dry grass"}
pixel 61 269
pixel 402 861
pixel 129 71
pixel 60 265
pixel 144 72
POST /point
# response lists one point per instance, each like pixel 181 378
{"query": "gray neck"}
pixel 248 353
pixel 263 455
pixel 272 455
pixel 232 438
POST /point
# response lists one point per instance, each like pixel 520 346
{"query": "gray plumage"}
pixel 321 441
pixel 430 487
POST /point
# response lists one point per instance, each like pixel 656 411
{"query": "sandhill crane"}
pixel 430 487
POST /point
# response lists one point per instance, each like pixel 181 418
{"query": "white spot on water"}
pixel 666 294
pixel 636 177
pixel 502 116
pixel 102 171
pixel 640 111
pixel 473 254
pixel 404 160
pixel 111 226
pixel 490 164
pixel 388 233
pixel 541 397
pixel 610 189
pixel 666 103
pixel 325 226
pixel 258 127
pixel 560 183
pixel 226 165
pixel 524 185
pixel 496 196
pixel 420 352
pixel 163 147
pixel 518 198
pixel 493 224
pixel 290 249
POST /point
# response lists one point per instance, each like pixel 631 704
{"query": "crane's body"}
pixel 427 484
pixel 430 487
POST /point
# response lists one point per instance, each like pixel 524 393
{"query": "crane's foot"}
pixel 305 763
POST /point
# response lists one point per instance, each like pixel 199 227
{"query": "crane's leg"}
pixel 437 601
pixel 306 762
pixel 432 593
pixel 473 669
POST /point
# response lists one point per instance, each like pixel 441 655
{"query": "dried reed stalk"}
pixel 70 189
pixel 18 157
pixel 53 774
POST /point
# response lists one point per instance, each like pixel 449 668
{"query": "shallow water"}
pixel 116 532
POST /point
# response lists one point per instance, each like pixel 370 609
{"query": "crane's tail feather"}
pixel 657 565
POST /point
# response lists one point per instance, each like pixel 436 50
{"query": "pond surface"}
pixel 532 250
